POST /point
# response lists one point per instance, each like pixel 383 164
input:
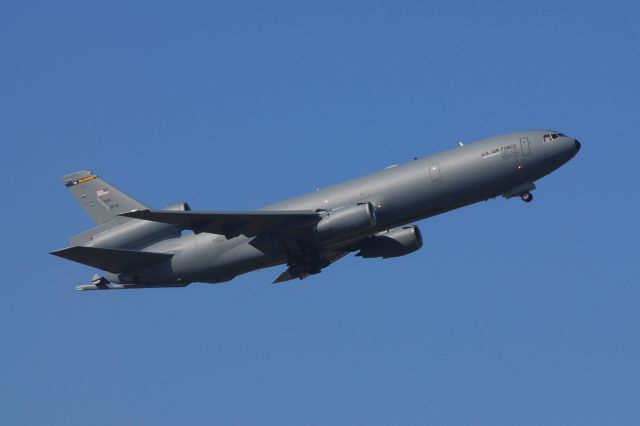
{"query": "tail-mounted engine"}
pixel 125 233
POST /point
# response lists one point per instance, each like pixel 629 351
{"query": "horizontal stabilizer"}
pixel 111 260
pixel 232 224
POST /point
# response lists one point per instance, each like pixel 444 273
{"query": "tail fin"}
pixel 102 201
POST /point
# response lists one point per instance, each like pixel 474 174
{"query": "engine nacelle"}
pixel 133 233
pixel 179 207
pixel 392 243
pixel 343 223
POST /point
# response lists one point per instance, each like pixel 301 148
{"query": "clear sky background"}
pixel 511 313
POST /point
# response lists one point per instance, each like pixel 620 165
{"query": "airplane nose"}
pixel 578 145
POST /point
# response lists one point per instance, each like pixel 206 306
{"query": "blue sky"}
pixel 510 314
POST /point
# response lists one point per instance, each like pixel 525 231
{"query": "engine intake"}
pixel 179 207
pixel 392 243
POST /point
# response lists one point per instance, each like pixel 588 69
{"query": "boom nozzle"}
pixel 99 283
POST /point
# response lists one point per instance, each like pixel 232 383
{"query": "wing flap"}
pixel 303 271
pixel 111 260
pixel 290 274
pixel 231 224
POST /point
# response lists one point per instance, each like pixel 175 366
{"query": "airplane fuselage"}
pixel 503 165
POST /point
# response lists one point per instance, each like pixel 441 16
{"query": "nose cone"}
pixel 578 145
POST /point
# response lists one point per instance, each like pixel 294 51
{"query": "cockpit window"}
pixel 551 136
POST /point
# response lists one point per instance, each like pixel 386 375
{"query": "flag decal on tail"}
pixel 103 196
pixel 102 201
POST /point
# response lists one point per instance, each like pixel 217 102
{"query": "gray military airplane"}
pixel 139 247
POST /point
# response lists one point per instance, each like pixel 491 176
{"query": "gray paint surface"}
pixel 308 232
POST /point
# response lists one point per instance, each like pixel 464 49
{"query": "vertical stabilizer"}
pixel 102 201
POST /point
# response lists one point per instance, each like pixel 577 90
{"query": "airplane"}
pixel 140 247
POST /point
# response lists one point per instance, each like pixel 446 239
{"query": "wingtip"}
pixel 285 276
pixel 58 252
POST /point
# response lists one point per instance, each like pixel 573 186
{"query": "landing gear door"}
pixel 524 146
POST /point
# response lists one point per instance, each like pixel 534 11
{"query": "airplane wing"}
pixel 232 224
pixel 280 231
